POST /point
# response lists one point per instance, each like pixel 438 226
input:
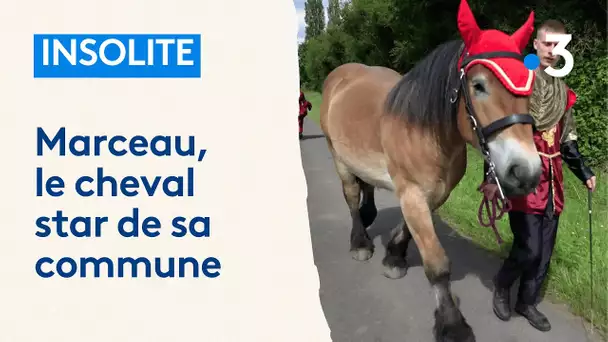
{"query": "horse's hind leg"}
pixel 367 210
pixel 450 325
pixel 394 261
pixel 361 246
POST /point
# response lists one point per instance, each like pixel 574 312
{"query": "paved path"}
pixel 361 305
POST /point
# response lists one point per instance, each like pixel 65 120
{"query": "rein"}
pixel 492 203
pixel 496 206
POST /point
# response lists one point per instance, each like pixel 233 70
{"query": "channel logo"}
pixel 117 56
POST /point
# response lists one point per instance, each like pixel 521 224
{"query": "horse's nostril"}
pixel 521 177
pixel 515 171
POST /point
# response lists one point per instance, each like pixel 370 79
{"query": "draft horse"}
pixel 409 135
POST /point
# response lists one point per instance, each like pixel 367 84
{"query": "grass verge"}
pixel 569 276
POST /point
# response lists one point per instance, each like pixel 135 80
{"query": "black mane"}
pixel 422 96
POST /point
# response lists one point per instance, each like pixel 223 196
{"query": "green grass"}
pixel 315 99
pixel 569 275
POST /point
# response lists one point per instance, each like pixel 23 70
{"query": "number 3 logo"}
pixel 560 50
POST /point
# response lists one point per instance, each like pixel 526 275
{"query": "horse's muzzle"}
pixel 520 178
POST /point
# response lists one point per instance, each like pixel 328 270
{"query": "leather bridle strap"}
pixel 484 133
pixel 505 122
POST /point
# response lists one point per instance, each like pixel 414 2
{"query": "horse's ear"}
pixel 522 35
pixel 467 25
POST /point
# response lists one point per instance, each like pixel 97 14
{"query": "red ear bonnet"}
pixel 511 72
pixel 523 34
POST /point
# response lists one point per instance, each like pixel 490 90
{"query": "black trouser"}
pixel 533 243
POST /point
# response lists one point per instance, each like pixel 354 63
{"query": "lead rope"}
pixel 497 204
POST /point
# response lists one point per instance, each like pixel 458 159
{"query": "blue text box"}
pixel 117 56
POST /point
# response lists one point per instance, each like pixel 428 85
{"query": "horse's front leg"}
pixel 450 324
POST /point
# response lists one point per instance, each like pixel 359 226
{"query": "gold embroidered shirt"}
pixel 548 106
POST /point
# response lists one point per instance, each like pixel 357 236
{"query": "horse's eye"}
pixel 479 88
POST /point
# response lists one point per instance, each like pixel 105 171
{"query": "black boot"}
pixel 502 303
pixel 536 318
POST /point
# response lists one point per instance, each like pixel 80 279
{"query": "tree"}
pixel 333 13
pixel 314 17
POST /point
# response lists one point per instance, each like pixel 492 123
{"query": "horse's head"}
pixel 495 86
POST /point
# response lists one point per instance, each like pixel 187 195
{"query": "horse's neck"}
pixel 451 144
pixel 454 151
pixel 455 161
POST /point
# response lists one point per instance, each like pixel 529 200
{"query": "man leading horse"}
pixel 534 218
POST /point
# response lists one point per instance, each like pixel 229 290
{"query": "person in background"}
pixel 305 106
pixel 534 218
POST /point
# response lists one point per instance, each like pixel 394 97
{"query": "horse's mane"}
pixel 422 96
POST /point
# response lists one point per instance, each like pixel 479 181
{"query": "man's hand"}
pixel 591 183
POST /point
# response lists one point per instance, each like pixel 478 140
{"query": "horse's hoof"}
pixel 361 254
pixel 457 331
pixel 456 334
pixel 394 272
pixel 394 267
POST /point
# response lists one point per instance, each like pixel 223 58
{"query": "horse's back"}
pixel 347 74
pixel 351 115
pixel 336 81
pixel 355 90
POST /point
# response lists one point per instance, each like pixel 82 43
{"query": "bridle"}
pixel 500 204
pixel 484 133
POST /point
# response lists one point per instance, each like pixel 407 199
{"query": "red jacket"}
pixel 305 106
pixel 548 145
